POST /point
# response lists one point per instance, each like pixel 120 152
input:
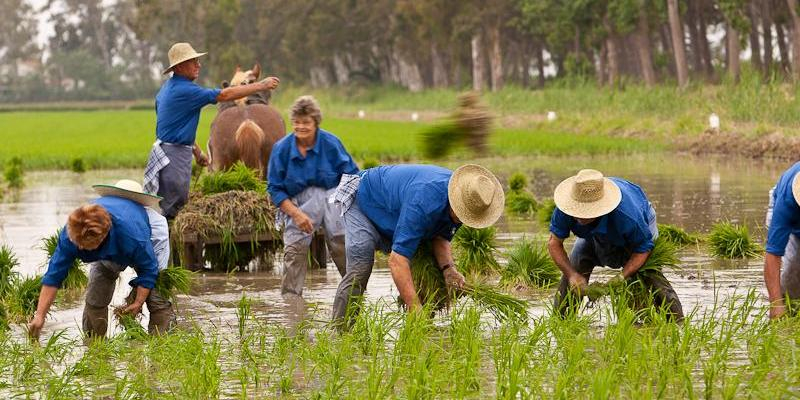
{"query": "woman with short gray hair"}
pixel 304 169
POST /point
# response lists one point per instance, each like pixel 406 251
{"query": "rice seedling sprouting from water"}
pixel 173 280
pixel 529 266
pixel 728 240
pixel 23 298
pixel 8 261
pixel 474 250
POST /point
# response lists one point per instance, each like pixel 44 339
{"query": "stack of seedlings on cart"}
pixel 225 205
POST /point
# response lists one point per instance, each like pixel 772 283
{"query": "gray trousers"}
pixel 313 201
pixel 174 179
pixel 361 241
pixel 587 254
pixel 102 281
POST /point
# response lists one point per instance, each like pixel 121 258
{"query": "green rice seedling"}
pixel 521 203
pixel 517 182
pixel 474 250
pixel 440 139
pixel 677 235
pixel 502 306
pixel 238 177
pixel 728 240
pixel 133 329
pixel 545 212
pixel 76 277
pixel 77 165
pixel 243 313
pixel 8 261
pixel 368 163
pixel 23 298
pixel 428 279
pixel 174 280
pixel 14 173
pixel 529 266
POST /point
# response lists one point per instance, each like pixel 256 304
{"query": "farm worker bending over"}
pixel 304 169
pixel 783 223
pixel 616 227
pixel 116 231
pixel 394 208
pixel 178 105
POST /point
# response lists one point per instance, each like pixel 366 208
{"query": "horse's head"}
pixel 245 77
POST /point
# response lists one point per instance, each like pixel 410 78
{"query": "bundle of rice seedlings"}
pixel 13 173
pixel 529 266
pixel 517 182
pixel 238 177
pixel 133 329
pixel 8 261
pixel 474 119
pixel 503 306
pixel 22 299
pixel 521 203
pixel 77 165
pixel 728 240
pixel 474 250
pixel 440 139
pixel 174 280
pixel 545 212
pixel 76 276
pixel 676 235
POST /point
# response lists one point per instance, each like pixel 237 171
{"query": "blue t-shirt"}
pixel 127 244
pixel 626 226
pixel 178 106
pixel 290 173
pixel 407 204
pixel 785 213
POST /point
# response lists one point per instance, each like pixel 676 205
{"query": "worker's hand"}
pixel 596 290
pixel 777 310
pixel 454 278
pixel 271 82
pixel 303 222
pixel 202 159
pixel 617 281
pixel 131 309
pixel 578 283
pixel 35 327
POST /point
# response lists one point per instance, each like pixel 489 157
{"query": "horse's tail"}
pixel 249 137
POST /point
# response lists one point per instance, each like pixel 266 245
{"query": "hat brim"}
pixel 564 201
pixel 145 199
pixel 185 58
pixel 796 188
pixel 480 219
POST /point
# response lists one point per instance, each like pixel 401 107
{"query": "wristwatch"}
pixel 445 267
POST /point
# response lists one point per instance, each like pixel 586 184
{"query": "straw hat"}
pixel 587 195
pixel 130 190
pixel 475 196
pixel 180 52
pixel 796 188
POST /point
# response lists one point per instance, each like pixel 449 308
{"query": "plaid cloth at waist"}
pixel 156 161
pixel 346 191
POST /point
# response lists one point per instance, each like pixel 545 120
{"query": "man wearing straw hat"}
pixel 781 262
pixel 395 208
pixel 118 230
pixel 616 227
pixel 178 105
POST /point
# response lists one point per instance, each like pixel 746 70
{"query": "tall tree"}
pixel 737 22
pixel 792 4
pixel 678 45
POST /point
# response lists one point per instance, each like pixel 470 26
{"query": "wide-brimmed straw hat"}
pixel 130 190
pixel 796 188
pixel 180 52
pixel 475 196
pixel 587 195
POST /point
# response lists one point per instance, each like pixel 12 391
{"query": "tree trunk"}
pixel 496 59
pixel 766 26
pixel 437 66
pixel 694 38
pixel 642 40
pixel 477 62
pixel 540 64
pixel 795 38
pixel 733 50
pixel 676 31
pixel 783 49
pixel 755 45
pixel 705 48
pixel 600 67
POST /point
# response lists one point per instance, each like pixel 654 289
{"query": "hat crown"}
pixel 179 51
pixel 129 185
pixel 478 193
pixel 588 186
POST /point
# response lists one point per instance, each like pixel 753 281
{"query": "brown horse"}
pixel 245 129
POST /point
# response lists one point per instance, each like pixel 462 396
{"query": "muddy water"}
pixel 687 191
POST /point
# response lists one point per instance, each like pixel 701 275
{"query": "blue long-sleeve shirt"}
pixel 178 105
pixel 626 226
pixel 127 244
pixel 785 213
pixel 408 204
pixel 290 173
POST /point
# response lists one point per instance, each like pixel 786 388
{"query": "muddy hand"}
pixel 454 278
pixel 303 222
pixel 35 327
pixel 132 309
pixel 578 284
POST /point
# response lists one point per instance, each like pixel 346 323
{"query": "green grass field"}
pixel 120 138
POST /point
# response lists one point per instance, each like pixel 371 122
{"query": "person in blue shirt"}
pixel 781 262
pixel 395 208
pixel 616 227
pixel 304 170
pixel 118 230
pixel 178 105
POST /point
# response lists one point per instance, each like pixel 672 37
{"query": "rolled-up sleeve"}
pixel 780 228
pixel 276 176
pixel 61 261
pixel 146 265
pixel 641 239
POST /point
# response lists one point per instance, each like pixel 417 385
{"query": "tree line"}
pixel 106 50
